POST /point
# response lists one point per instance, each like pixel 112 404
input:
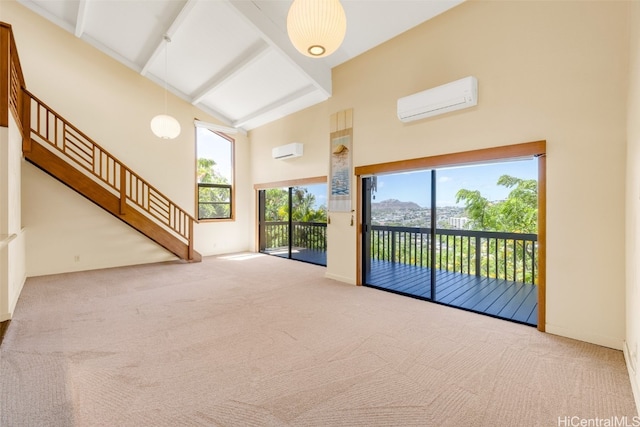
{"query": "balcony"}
pixel 487 272
pixel 308 241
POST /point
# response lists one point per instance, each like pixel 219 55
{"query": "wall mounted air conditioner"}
pixel 452 96
pixel 288 151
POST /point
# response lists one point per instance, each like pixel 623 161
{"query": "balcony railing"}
pixel 308 235
pixel 508 256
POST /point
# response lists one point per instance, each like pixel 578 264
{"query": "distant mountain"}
pixel 394 204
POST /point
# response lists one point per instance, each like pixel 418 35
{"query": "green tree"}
pixel 276 205
pixel 208 174
pixel 517 214
pixel 304 211
pixel 213 202
pixel 304 207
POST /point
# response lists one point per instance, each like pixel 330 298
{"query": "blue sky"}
pixel 213 146
pixel 416 187
pixel 320 191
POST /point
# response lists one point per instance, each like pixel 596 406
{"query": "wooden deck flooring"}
pixel 301 254
pixel 499 298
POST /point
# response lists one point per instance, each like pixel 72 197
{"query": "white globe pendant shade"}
pixel 165 127
pixel 316 27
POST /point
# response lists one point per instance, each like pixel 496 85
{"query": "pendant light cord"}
pixel 167 40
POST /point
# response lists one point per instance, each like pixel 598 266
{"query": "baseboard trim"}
pixel 632 376
pixel 3 329
pixel 339 278
pixel 602 340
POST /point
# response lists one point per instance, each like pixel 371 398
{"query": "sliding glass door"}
pixel 460 236
pixel 293 222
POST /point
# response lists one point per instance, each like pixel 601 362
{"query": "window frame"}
pixel 232 186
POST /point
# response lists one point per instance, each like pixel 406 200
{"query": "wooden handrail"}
pixel 50 128
pixel 11 99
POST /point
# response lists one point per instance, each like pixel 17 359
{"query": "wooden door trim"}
pixel 462 158
pixel 291 183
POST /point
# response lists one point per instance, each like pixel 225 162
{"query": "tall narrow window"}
pixel 214 174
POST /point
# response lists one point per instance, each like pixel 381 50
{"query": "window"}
pixel 214 174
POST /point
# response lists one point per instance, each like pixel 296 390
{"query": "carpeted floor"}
pixel 253 340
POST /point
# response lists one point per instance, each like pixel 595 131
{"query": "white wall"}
pixel 12 250
pixel 113 105
pixel 633 206
pixel 547 70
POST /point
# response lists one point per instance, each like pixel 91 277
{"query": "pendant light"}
pixel 163 125
pixel 316 27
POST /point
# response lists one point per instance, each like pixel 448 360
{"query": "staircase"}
pixel 64 152
pixel 60 149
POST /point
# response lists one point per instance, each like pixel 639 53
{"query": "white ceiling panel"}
pixel 369 15
pixel 263 82
pixel 132 28
pixel 232 58
pixel 288 107
pixel 201 48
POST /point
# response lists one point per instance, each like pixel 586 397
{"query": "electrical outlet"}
pixel 76 258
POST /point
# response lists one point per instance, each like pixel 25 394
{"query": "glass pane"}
pixel 487 238
pixel 214 154
pixel 399 233
pixel 277 221
pixel 309 223
pixel 214 203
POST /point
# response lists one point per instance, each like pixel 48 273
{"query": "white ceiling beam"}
pixel 214 127
pixel 243 61
pixel 224 119
pixel 173 28
pixel 81 18
pixel 318 72
pixel 274 105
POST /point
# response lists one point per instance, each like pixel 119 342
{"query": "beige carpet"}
pixel 260 341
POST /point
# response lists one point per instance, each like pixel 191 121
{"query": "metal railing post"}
pixel 393 246
pixel 478 254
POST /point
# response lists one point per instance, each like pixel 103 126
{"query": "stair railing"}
pixel 35 119
pixel 11 99
pixel 54 131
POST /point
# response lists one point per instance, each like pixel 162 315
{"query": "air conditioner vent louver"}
pixel 452 96
pixel 287 151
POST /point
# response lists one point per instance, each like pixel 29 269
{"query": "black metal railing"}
pixel 308 235
pixel 508 256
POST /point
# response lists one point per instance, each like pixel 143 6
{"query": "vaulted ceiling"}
pixel 230 58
